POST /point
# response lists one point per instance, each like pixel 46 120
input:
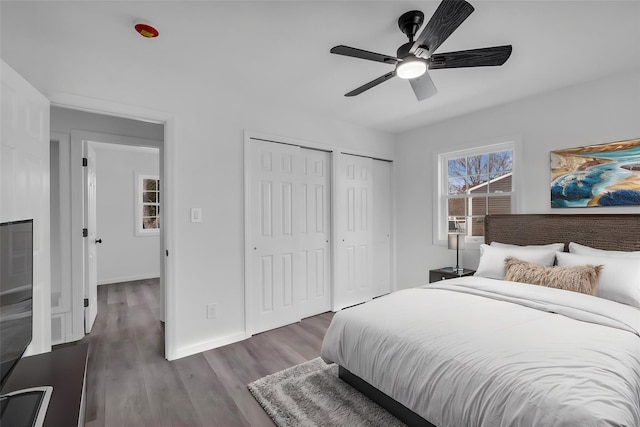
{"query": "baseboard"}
pixel 128 279
pixel 208 345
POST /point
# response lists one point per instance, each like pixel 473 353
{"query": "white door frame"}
pixel 78 208
pixel 90 244
pixel 64 311
pixel 167 169
pixel 335 153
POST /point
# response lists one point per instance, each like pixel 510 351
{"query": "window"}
pixel 472 184
pixel 148 205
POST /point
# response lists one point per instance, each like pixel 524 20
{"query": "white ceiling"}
pixel 278 52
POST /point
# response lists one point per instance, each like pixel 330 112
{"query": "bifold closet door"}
pixel 290 194
pixel 382 203
pixel 354 211
pixel 315 230
pixel 275 203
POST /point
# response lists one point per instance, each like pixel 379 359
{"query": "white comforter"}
pixel 481 352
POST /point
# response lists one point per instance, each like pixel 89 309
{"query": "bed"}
pixel 479 351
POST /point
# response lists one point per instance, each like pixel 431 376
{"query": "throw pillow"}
pixel 580 278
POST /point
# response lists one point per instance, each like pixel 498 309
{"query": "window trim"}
pixel 139 231
pixel 440 188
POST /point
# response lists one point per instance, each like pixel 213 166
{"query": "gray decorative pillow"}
pixel 579 278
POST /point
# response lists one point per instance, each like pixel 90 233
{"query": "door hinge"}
pixel 85 232
pixel 86 302
pixel 85 162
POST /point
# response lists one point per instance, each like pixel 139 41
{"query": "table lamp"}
pixel 456 241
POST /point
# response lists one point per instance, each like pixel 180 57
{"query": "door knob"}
pixel 98 241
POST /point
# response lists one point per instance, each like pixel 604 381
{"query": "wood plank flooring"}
pixel 129 382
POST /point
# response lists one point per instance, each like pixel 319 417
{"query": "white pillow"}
pixel 492 259
pixel 619 277
pixel 578 249
pixel 558 247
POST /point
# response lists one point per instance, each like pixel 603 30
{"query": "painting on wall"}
pixel 597 175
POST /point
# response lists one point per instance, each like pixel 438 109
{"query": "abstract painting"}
pixel 597 175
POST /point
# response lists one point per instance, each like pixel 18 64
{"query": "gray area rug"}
pixel 311 394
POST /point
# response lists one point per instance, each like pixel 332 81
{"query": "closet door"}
pixel 382 203
pixel 354 208
pixel 275 208
pixel 315 229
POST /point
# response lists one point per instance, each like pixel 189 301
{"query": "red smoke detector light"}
pixel 146 31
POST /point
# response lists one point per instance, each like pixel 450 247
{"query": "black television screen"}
pixel 16 293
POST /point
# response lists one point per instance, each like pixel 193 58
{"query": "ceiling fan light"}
pixel 411 68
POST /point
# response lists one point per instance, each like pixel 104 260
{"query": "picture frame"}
pixel 596 175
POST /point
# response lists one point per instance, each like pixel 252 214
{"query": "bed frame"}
pixel 619 232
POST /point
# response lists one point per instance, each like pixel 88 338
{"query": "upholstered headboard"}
pixel 607 231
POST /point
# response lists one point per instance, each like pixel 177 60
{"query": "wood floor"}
pixel 129 382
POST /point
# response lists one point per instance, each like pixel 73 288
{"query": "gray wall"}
pixel 605 110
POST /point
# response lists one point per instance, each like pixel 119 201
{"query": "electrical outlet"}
pixel 211 311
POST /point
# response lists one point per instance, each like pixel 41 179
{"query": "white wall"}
pixel 207 128
pixel 208 162
pixel 597 112
pixel 123 255
pixel 24 186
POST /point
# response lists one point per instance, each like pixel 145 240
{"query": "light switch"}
pixel 196 214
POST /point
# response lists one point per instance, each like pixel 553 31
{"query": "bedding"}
pixel 492 258
pixel 475 351
pixel 579 278
pixel 619 280
pixel 578 249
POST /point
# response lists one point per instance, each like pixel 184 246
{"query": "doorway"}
pixel 69 146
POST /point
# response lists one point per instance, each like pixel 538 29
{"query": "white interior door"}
pixel 315 229
pixel 275 205
pixel 91 241
pixel 382 227
pixel 354 208
pixel 24 185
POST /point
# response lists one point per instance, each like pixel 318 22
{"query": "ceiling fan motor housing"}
pixel 403 51
pixel 410 22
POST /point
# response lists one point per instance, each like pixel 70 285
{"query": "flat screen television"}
pixel 16 293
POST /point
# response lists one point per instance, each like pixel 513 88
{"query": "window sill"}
pixel 147 233
pixel 472 242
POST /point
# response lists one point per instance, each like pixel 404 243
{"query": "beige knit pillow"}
pixel 579 278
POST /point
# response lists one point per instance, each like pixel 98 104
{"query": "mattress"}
pixel 481 352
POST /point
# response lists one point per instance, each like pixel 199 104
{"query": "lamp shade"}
pixel 456 241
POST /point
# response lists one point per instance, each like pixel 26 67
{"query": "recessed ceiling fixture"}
pixel 146 30
pixel 413 58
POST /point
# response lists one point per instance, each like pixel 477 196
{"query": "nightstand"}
pixel 448 273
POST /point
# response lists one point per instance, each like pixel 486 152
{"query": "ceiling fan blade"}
pixel 485 57
pixel 423 87
pixel 449 15
pixel 371 84
pixel 363 54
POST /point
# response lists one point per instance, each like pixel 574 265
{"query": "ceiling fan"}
pixel 413 58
